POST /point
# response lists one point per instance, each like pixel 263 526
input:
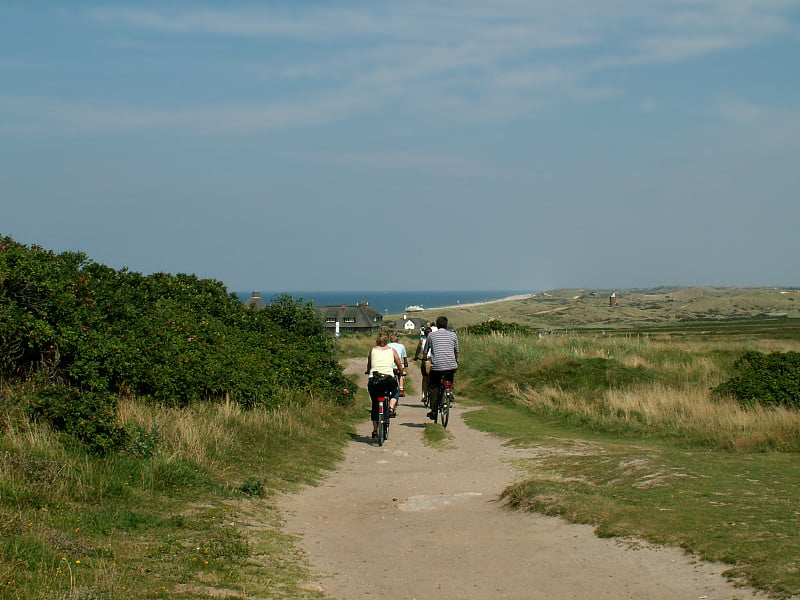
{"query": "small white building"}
pixel 406 324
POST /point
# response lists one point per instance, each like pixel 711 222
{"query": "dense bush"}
pixel 88 416
pixel 495 326
pixel 172 338
pixel 765 379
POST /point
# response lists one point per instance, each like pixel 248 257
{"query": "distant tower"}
pixel 612 300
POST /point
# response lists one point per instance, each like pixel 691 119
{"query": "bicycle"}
pixel 383 414
pixel 445 401
pixel 425 399
pixel 445 397
pixel 383 419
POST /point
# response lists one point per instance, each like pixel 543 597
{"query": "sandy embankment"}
pixel 469 304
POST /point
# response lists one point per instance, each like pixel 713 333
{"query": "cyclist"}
pixel 425 365
pixel 443 346
pixel 403 354
pixel 384 360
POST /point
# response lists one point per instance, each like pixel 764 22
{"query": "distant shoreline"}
pixel 395 302
pixel 483 303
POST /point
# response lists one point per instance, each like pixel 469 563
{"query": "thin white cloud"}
pixel 532 23
pixel 238 23
pixel 40 115
pixel 412 161
pixel 649 105
pixel 675 48
pixel 649 32
pixel 738 109
pixel 470 59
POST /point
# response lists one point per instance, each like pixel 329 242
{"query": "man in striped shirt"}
pixel 443 345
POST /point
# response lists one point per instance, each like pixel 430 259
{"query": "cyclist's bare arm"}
pixel 398 363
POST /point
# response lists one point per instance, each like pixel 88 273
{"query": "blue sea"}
pixel 388 302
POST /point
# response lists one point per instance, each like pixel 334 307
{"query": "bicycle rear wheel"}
pixel 381 432
pixel 444 409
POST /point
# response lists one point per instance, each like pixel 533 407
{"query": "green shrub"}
pixel 766 379
pixel 495 326
pixel 300 318
pixel 252 486
pixel 142 442
pixel 88 416
pixel 173 339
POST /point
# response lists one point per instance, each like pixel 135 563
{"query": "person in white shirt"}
pixel 425 365
pixel 401 352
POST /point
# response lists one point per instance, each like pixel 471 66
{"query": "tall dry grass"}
pixel 672 401
pixel 76 525
pixel 203 432
pixel 354 345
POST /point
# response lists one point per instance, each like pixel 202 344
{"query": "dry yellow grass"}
pixel 677 404
pixel 202 432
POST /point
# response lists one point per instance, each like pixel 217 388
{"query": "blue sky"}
pixel 408 145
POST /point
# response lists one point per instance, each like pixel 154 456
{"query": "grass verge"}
pixel 188 513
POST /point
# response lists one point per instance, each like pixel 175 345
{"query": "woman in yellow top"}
pixel 385 360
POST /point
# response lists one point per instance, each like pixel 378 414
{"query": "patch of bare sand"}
pixel 484 303
pixel 432 519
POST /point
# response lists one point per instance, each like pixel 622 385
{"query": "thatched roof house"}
pixel 361 317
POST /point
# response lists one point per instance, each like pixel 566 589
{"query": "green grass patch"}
pixel 436 436
pixel 592 373
pixel 729 329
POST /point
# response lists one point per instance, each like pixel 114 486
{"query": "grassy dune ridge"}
pixel 657 307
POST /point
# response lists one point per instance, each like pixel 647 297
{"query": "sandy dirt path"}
pixel 433 518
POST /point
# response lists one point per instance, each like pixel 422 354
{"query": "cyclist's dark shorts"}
pixel 437 377
pixel 385 388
